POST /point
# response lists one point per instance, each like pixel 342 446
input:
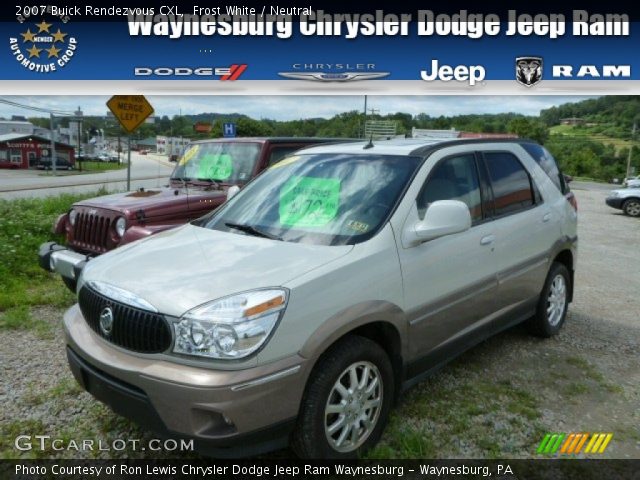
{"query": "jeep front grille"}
pixel 91 232
pixel 133 328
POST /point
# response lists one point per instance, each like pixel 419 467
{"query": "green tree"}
pixel 529 128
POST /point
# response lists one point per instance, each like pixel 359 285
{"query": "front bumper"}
pixel 59 259
pixel 615 202
pixel 228 413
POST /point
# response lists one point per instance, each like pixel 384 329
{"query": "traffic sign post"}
pixel 131 111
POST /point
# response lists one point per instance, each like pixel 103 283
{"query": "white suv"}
pixel 303 306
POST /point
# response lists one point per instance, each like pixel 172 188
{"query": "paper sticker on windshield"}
pixel 188 155
pixel 309 201
pixel 215 167
pixel 359 227
pixel 284 162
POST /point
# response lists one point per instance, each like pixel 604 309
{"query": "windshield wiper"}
pixel 210 181
pixel 251 230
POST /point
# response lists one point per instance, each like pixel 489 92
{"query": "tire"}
pixel 552 307
pixel 632 207
pixel 310 438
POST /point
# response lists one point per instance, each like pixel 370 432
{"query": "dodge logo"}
pixel 106 321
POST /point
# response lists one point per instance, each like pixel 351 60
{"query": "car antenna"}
pixel 370 144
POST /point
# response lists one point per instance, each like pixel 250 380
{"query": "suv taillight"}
pixel 571 198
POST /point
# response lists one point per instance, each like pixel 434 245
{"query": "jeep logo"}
pixel 461 73
pixel 106 321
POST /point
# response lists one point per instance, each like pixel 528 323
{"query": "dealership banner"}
pixel 265 48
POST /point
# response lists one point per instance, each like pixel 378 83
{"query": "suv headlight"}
pixel 614 193
pixel 231 327
pixel 121 226
pixel 73 215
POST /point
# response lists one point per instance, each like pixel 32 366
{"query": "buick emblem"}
pixel 106 321
pixel 528 70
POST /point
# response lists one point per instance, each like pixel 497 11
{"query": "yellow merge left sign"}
pixel 130 110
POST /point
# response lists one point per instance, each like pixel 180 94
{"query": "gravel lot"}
pixel 497 400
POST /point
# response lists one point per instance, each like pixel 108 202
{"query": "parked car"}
pixel 626 199
pixel 343 274
pixel 631 181
pixel 198 184
pixel 61 164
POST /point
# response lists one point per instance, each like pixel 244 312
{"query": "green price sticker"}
pixel 309 201
pixel 215 167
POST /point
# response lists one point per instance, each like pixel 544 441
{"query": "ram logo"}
pixel 592 71
pixel 528 70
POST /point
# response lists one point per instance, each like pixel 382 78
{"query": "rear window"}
pixel 546 161
pixel 510 182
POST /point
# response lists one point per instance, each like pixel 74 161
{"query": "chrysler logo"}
pixel 334 76
pixel 106 321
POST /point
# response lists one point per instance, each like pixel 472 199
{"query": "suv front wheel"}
pixel 347 401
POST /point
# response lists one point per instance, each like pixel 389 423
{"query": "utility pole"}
pixel 364 125
pixel 53 145
pixel 633 137
pixel 78 114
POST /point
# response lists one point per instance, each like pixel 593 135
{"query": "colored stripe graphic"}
pixel 572 443
pixel 235 71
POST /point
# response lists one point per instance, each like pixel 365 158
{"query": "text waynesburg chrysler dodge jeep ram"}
pixel 300 309
pixel 198 184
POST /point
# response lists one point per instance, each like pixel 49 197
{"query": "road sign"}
pixel 229 130
pixel 130 110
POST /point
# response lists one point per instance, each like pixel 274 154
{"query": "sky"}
pixel 280 107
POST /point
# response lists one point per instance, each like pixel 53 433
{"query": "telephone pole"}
pixel 633 137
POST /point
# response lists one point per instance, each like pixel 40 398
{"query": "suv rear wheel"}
pixel 347 401
pixel 552 305
pixel 632 207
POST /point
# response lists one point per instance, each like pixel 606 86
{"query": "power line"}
pixel 36 109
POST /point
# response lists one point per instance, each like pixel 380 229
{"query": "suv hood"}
pixel 185 267
pixel 154 201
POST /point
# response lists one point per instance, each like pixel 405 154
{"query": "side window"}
pixel 455 178
pixel 278 153
pixel 510 182
pixel 546 161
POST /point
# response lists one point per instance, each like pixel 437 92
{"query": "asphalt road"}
pixel 146 171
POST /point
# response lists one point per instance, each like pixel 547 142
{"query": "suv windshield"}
pixel 223 162
pixel 325 199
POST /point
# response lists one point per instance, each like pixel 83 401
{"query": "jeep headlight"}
pixel 73 215
pixel 121 226
pixel 231 327
pixel 614 193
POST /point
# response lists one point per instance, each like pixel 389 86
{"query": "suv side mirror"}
pixel 444 217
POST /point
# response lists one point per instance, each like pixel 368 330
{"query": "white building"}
pixel 16 126
pixel 171 145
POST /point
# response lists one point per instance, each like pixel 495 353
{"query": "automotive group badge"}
pixel 42 46
pixel 528 70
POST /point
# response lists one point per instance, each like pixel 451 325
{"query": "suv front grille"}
pixel 91 231
pixel 133 329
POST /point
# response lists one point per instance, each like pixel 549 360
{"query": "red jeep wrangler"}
pixel 198 184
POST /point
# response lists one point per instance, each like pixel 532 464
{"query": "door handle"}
pixel 487 240
pixel 547 217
